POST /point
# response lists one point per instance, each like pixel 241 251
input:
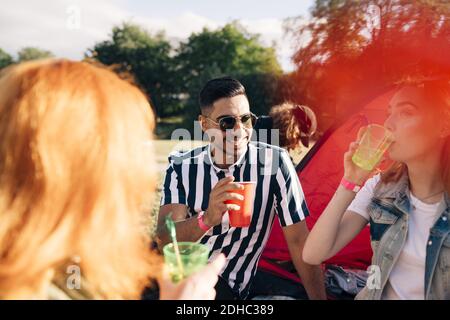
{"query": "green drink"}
pixel 193 257
pixel 374 143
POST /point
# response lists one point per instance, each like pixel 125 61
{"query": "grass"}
pixel 162 149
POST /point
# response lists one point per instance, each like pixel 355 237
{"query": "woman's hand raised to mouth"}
pixel 352 172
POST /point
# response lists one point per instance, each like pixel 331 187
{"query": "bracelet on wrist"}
pixel 350 185
pixel 201 222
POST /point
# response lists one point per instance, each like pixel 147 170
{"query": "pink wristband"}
pixel 350 185
pixel 201 224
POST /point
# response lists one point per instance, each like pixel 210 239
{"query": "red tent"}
pixel 320 173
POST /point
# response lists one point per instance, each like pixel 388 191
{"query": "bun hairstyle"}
pixel 296 123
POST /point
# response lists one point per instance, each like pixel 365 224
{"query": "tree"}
pixel 172 78
pixel 146 56
pixel 32 53
pixel 230 51
pixel 5 59
pixel 356 47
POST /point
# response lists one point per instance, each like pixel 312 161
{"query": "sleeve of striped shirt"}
pixel 290 201
pixel 172 188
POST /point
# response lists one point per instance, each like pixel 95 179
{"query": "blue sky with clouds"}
pixel 44 23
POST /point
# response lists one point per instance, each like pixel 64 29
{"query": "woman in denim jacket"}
pixel 407 206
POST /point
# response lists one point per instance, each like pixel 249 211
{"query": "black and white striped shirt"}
pixel 189 179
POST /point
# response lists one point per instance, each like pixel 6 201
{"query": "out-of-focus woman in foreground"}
pixel 76 168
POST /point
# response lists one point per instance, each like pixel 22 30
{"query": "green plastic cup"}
pixel 374 143
pixel 193 257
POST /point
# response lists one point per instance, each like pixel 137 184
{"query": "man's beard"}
pixel 228 151
pixel 228 147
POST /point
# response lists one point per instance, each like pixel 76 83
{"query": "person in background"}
pixel 289 126
pixel 76 169
pixel 294 124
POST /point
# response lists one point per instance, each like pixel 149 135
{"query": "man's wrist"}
pixel 202 222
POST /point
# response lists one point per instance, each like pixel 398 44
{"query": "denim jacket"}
pixel 389 212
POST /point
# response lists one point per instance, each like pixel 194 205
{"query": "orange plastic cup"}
pixel 242 218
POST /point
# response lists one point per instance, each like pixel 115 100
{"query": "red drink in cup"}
pixel 242 218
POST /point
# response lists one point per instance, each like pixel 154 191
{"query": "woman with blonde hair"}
pixel 407 206
pixel 76 170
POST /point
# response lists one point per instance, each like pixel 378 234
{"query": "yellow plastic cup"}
pixel 374 143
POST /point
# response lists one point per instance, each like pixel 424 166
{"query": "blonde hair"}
pixel 288 125
pixel 74 174
pixel 437 93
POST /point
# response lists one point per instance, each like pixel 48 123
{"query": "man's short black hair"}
pixel 218 88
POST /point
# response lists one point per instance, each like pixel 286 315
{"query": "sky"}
pixel 69 27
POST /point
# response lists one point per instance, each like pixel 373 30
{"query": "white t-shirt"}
pixel 406 280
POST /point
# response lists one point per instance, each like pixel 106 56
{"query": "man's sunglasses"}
pixel 248 120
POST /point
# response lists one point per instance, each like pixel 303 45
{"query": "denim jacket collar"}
pixel 447 202
pixel 396 192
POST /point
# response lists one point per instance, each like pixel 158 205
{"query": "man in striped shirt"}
pixel 198 182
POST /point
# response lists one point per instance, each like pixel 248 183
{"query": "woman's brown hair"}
pixel 437 92
pixel 290 126
pixel 76 168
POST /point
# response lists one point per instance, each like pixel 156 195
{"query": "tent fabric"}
pixel 320 173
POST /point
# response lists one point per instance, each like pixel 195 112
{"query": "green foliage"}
pixel 173 77
pixel 230 51
pixel 146 56
pixel 5 59
pixel 32 53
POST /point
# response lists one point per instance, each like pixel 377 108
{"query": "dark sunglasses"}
pixel 248 120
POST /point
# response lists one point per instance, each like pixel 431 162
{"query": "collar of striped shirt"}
pixel 239 162
pixel 190 178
